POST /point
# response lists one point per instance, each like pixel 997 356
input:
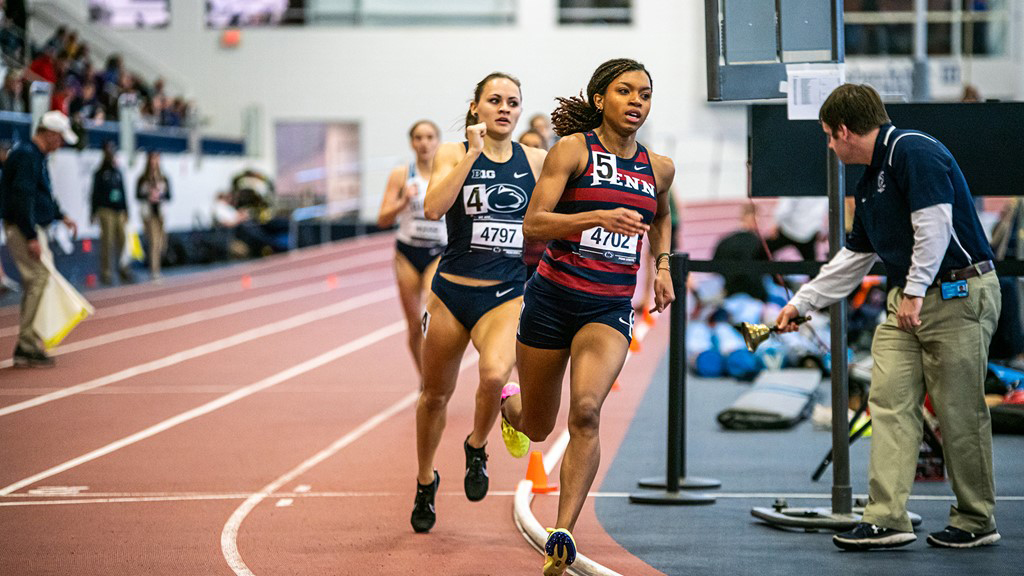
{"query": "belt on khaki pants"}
pixel 976 269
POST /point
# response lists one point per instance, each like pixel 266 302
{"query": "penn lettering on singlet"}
pixel 485 224
pixel 597 262
pixel 413 227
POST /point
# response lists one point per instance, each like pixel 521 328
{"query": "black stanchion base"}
pixel 685 483
pixel 814 519
pixel 671 498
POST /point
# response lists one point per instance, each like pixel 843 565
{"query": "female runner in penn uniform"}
pixel 482 187
pixel 599 192
pixel 419 241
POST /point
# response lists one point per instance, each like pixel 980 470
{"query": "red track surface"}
pixel 171 421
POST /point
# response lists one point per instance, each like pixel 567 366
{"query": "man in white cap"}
pixel 27 206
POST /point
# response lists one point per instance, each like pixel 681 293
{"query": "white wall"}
pixel 194 186
pixel 386 78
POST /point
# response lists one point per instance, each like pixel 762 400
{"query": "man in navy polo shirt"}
pixel 914 211
pixel 27 206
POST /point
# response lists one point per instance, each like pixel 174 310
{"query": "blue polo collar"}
pixel 881 145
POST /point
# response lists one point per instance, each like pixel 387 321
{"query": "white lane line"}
pixel 302 488
pixel 229 536
pixel 192 497
pixel 192 281
pixel 244 392
pixel 237 307
pixel 218 290
pixel 208 348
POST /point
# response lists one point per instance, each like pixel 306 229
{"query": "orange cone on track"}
pixel 536 474
pixel 616 385
pixel 634 345
pixel 332 281
pixel 246 282
pixel 648 318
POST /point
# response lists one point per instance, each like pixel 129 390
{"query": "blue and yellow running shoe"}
pixel 517 443
pixel 559 552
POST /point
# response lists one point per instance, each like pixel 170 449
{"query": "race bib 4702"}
pixel 599 244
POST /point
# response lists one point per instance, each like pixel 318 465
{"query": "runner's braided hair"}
pixel 472 118
pixel 576 114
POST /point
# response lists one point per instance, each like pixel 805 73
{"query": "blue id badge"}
pixel 951 290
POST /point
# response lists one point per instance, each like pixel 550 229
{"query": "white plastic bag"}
pixel 61 307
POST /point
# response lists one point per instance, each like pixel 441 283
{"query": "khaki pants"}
pixel 112 224
pixel 33 279
pixel 946 356
pixel 155 234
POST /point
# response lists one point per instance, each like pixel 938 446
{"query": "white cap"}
pixel 56 121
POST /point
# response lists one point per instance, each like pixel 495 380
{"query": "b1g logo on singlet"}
pixel 496 198
pixel 606 171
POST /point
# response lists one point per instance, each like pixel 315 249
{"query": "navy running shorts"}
pixel 469 303
pixel 419 257
pixel 551 316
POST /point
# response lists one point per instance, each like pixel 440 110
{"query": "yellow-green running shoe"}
pixel 517 443
pixel 559 552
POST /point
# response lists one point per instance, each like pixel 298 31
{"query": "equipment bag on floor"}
pixel 779 399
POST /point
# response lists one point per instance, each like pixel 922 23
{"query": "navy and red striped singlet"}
pixel 597 262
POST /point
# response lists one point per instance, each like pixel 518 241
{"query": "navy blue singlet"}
pixel 485 224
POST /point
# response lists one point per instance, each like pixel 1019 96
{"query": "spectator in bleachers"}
pixel 110 211
pixel 44 64
pixel 57 40
pixel 84 106
pixel 61 97
pixel 11 97
pixel 152 190
pixel 80 67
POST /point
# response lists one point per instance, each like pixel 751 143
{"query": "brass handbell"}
pixel 754 334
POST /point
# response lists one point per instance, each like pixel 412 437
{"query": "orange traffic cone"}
pixel 332 281
pixel 246 282
pixel 536 474
pixel 616 386
pixel 648 318
pixel 634 345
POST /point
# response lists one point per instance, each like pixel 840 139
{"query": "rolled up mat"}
pixel 779 399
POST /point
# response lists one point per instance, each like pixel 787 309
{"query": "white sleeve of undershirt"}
pixel 933 228
pixel 835 281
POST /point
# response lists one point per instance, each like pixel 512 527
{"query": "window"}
pixel 595 11
pixel 232 13
pixel 318 163
pixel 955 27
pixel 130 13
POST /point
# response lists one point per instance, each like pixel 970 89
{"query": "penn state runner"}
pixel 599 192
pixel 482 187
pixel 419 241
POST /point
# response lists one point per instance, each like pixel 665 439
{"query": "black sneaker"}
pixel 31 359
pixel 956 538
pixel 476 472
pixel 866 536
pixel 423 515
